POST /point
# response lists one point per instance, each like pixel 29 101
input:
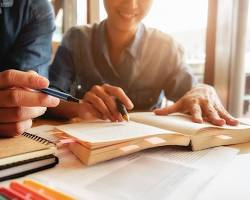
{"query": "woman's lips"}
pixel 127 15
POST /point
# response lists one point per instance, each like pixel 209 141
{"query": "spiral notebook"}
pixel 25 154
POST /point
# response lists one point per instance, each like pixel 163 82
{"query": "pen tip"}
pixel 126 117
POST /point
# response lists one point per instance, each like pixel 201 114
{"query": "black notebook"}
pixel 25 154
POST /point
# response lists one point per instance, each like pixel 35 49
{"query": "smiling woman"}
pixel 138 63
pixel 121 58
pixel 186 21
pixel 122 21
pixel 125 15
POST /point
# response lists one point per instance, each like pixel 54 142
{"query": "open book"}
pixel 101 140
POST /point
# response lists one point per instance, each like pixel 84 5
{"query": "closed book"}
pixel 101 140
pixel 25 154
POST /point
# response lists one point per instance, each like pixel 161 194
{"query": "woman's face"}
pixel 125 15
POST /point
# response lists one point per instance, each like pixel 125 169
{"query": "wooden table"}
pixel 233 182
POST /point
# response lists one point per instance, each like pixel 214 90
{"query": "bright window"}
pixel 247 67
pixel 76 12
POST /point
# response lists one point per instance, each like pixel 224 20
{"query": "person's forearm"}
pixel 66 110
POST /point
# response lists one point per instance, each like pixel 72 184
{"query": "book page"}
pixel 97 132
pixel 163 173
pixel 232 183
pixel 168 170
pixel 145 178
pixel 177 122
pixel 207 158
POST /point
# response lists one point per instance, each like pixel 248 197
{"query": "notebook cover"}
pixel 22 144
pixel 20 174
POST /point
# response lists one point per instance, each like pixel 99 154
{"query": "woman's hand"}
pixel 202 103
pixel 102 99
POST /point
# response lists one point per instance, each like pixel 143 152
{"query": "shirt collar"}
pixel 133 49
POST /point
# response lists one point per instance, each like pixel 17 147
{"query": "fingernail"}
pixel 233 122
pixel 131 106
pixel 158 112
pixel 198 120
pixel 54 101
pixel 43 82
pixel 220 122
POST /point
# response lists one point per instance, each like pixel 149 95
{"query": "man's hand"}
pixel 102 99
pixel 202 103
pixel 18 104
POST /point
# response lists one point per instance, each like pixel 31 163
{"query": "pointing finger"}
pixel 15 78
pixel 168 110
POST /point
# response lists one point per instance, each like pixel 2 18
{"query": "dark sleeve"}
pixel 181 79
pixel 32 48
pixel 64 73
pixel 61 73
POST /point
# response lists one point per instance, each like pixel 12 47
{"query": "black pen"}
pixel 122 109
pixel 60 95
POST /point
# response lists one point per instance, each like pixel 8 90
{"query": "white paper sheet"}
pixel 145 178
pixel 163 173
pixel 213 159
pixel 105 131
pixel 232 183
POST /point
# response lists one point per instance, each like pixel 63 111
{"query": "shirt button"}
pixel 79 87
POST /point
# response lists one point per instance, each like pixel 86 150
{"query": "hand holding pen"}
pixel 122 109
pixel 18 104
pixel 103 99
pixel 98 105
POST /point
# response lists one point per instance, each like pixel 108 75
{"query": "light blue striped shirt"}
pixel 153 65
